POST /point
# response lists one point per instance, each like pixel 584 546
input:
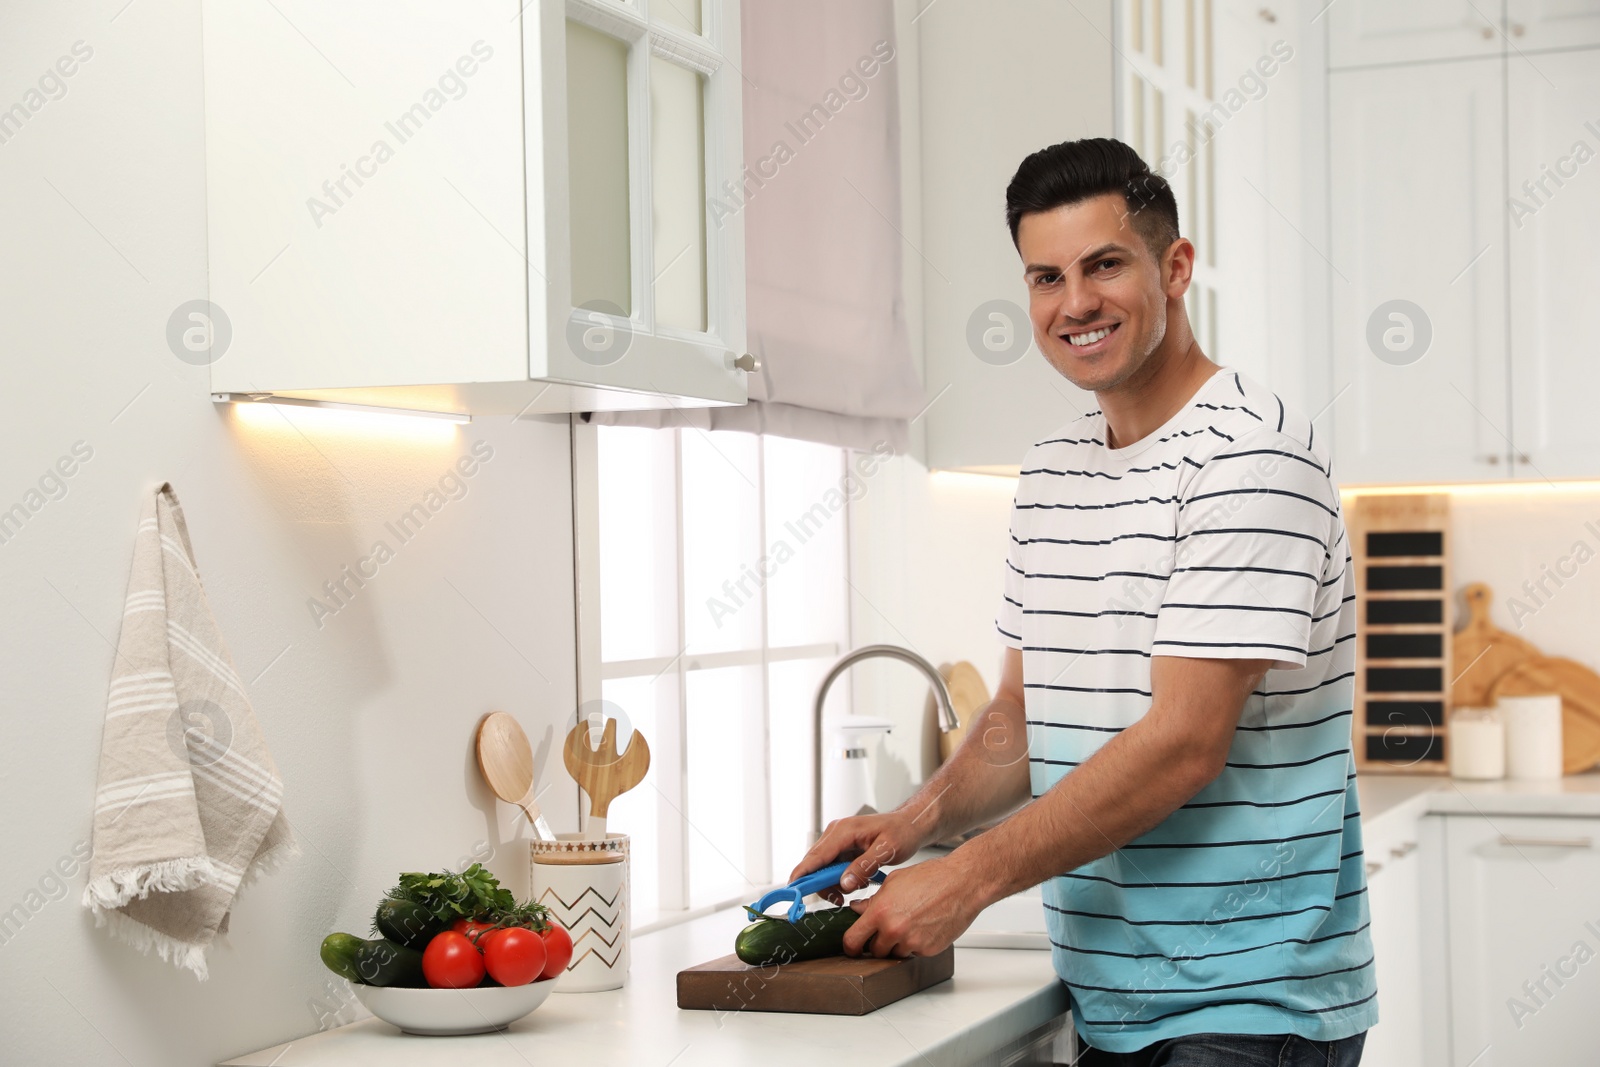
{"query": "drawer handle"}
pixel 1404 850
pixel 1373 867
pixel 1514 841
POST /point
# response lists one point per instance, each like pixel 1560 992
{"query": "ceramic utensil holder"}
pixel 585 885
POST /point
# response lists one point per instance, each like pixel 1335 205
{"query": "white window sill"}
pixel 644 922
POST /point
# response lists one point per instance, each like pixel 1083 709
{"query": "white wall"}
pixel 997 85
pixel 926 550
pixel 1508 537
pixel 370 717
pixel 927 560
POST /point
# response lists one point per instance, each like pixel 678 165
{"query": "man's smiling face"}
pixel 1097 296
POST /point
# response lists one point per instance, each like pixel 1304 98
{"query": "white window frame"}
pixel 705 355
pixel 1167 47
pixel 669 755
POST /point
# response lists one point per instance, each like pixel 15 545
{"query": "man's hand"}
pixel 870 841
pixel 918 911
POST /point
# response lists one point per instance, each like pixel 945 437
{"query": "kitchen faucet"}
pixel 941 693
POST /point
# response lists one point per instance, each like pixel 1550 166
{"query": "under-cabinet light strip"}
pixel 334 405
pixel 1528 488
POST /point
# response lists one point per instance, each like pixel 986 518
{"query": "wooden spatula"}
pixel 602 772
pixel 506 760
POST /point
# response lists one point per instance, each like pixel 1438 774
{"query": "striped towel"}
pixel 189 802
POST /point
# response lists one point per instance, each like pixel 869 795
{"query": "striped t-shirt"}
pixel 1217 536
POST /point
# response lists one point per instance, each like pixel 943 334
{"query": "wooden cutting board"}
pixel 1579 689
pixel 968 695
pixel 1480 652
pixel 838 985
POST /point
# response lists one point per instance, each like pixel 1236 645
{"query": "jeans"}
pixel 1233 1050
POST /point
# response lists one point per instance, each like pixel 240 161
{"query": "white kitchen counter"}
pixel 996 996
pixel 1407 795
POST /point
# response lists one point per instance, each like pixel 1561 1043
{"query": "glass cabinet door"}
pixel 645 294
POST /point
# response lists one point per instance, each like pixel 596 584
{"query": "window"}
pixel 1166 111
pixel 722 600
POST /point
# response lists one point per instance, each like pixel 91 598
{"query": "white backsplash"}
pixel 1516 540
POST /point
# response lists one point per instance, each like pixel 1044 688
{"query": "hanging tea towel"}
pixel 189 803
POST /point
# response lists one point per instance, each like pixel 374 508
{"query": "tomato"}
pixel 557 950
pixel 472 930
pixel 514 956
pixel 451 962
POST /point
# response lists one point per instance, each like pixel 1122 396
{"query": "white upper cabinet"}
pixel 994 91
pixel 1535 25
pixel 1417 251
pixel 1363 32
pixel 1554 215
pixel 476 207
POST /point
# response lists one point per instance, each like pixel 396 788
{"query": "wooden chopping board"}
pixel 968 695
pixel 838 985
pixel 1480 652
pixel 1579 689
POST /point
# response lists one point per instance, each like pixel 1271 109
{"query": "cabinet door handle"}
pixel 1404 850
pixel 1373 867
pixel 1491 458
pixel 1517 840
pixel 747 363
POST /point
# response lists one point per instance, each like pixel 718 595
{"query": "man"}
pixel 1176 692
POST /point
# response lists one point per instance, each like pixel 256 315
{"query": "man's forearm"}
pixel 1126 788
pixel 986 777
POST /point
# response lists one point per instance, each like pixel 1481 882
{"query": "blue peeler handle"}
pixel 797 890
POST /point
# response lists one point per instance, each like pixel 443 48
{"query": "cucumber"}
pixel 817 934
pixel 382 962
pixel 339 953
pixel 406 923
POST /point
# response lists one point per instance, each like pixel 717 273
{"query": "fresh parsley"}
pixel 472 894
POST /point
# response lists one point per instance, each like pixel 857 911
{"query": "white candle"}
pixel 1477 744
pixel 1533 736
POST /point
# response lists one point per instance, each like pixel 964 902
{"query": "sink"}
pixel 1015 922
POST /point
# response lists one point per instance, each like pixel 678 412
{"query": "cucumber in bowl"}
pixel 445 930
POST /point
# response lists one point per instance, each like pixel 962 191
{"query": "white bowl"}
pixel 447 1012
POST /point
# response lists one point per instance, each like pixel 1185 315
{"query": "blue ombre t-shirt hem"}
pixel 1334 1025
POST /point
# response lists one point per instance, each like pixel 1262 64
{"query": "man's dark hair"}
pixel 1074 171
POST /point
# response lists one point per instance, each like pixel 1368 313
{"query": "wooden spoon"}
pixel 506 760
pixel 602 773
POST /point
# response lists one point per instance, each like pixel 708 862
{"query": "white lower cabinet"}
pixel 1524 940
pixel 1394 894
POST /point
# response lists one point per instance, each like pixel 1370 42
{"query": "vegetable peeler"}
pixel 797 890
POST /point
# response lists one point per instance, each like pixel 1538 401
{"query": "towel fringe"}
pixel 136 934
pixel 269 861
pixel 115 888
